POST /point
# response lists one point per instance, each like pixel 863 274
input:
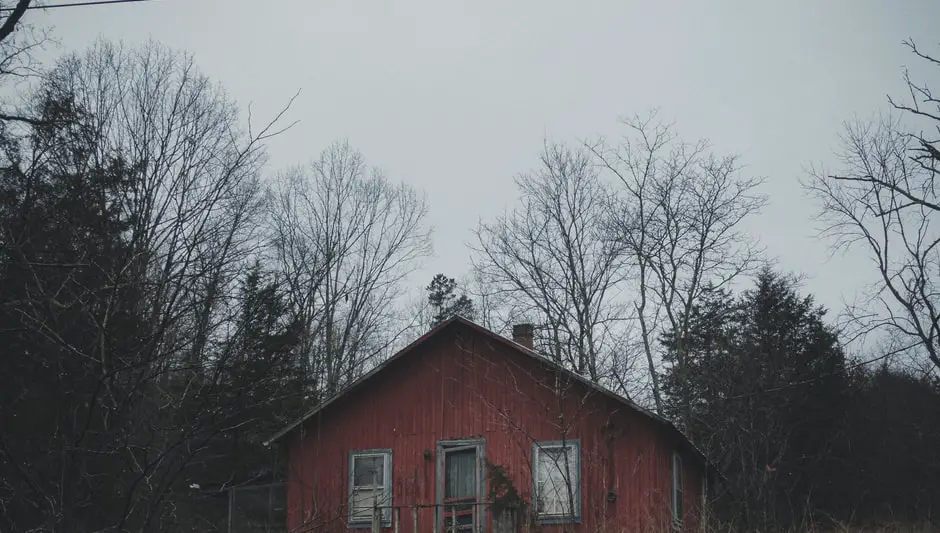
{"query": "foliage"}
pixel 791 423
pixel 444 302
pixel 153 345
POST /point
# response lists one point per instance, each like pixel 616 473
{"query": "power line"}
pixel 77 4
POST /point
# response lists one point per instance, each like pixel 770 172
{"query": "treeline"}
pixel 626 253
pixel 803 434
pixel 165 303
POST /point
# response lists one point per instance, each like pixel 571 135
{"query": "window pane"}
pixel 677 513
pixel 364 501
pixel 460 474
pixel 369 471
pixel 556 481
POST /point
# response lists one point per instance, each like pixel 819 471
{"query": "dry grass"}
pixel 651 526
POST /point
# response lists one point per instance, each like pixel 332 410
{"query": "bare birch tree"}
pixel 680 214
pixel 883 201
pixel 344 238
pixel 554 257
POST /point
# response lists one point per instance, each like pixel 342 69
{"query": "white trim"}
pixel 574 457
pixel 445 446
pixel 676 493
pixel 387 502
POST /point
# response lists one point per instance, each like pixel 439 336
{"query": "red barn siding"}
pixel 461 385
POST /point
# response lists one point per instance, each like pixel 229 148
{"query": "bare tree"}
pixel 195 203
pixel 344 238
pixel 12 18
pixel 680 215
pixel 883 200
pixel 141 307
pixel 18 43
pixel 554 257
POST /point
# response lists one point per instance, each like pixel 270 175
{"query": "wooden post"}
pixel 397 511
pixel 376 518
pixel 414 516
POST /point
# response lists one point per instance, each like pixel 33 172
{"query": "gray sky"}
pixel 456 98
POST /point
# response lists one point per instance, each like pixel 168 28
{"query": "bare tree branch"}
pixel 13 18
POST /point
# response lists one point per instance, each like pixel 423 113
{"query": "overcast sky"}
pixel 455 98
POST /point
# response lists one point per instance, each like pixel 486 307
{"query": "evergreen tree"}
pixel 767 382
pixel 69 324
pixel 444 301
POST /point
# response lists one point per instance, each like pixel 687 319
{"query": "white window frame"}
pixel 574 455
pixel 676 500
pixel 386 511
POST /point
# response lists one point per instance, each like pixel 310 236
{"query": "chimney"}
pixel 523 334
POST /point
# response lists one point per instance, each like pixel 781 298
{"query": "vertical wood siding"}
pixel 461 385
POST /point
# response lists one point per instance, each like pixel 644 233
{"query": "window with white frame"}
pixel 370 486
pixel 557 481
pixel 676 489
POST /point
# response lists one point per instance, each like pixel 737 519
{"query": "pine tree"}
pixel 444 301
pixel 69 323
pixel 766 382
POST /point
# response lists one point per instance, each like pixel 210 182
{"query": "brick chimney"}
pixel 523 334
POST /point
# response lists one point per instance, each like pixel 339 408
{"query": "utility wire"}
pixel 77 4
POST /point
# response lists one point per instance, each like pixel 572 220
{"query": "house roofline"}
pixel 507 342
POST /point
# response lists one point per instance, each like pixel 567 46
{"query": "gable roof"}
pixel 357 384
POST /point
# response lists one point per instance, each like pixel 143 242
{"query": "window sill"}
pixel 361 524
pixel 551 520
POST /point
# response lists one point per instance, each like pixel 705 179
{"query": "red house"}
pixel 467 430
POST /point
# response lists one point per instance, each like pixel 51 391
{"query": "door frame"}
pixel 480 509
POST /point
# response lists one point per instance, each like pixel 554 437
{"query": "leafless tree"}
pixel 555 259
pixel 18 43
pixel 12 17
pixel 680 213
pixel 189 194
pixel 344 238
pixel 493 306
pixel 196 200
pixel 883 201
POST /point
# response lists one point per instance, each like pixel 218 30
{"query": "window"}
pixel 370 486
pixel 676 489
pixel 557 481
pixel 461 484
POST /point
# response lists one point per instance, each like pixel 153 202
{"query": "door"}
pixel 460 486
